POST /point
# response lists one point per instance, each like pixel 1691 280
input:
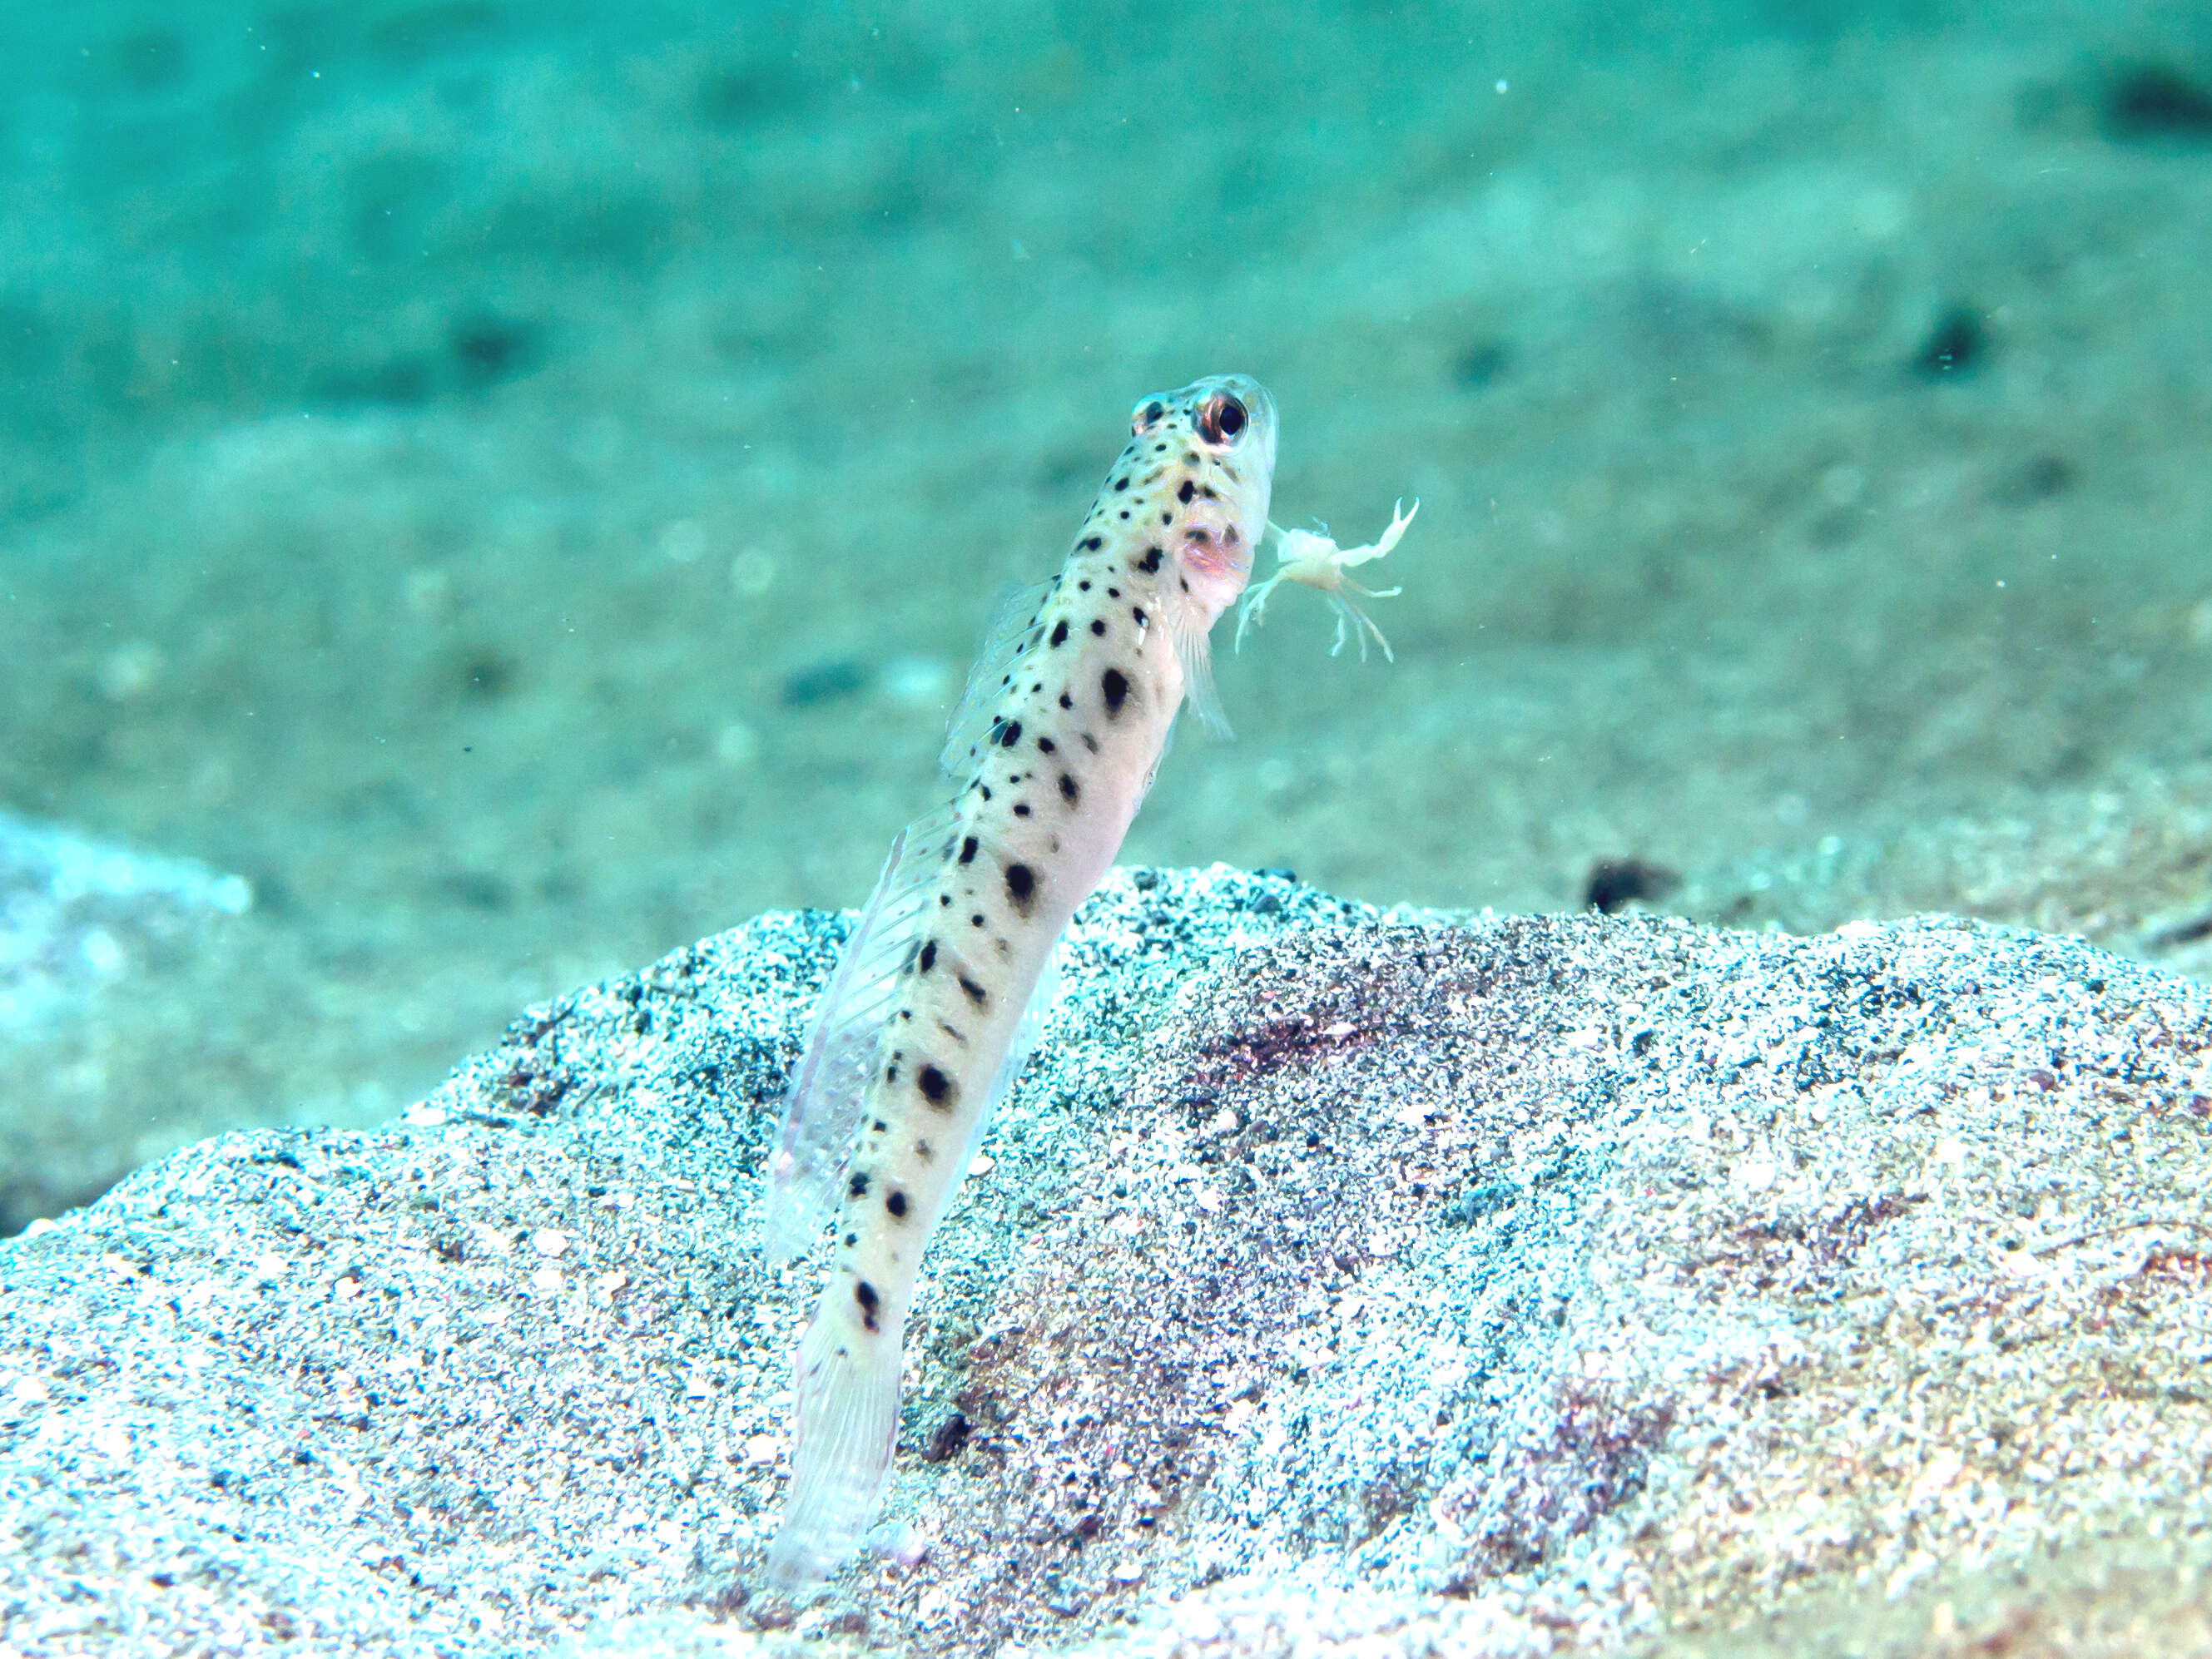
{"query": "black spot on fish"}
pixel 1150 562
pixel 1138 611
pixel 976 993
pixel 1045 745
pixel 851 1239
pixel 1069 789
pixel 879 1126
pixel 1022 810
pixel 936 1087
pixel 1121 483
pixel 1187 490
pixel 1083 586
pixel 927 959
pixel 1010 734
pixel 1113 593
pixel 1090 743
pixel 860 1185
pixel 1021 886
pixel 967 850
pixel 1067 702
pixel 891 1072
pixel 864 1294
pixel 1059 632
pixel 895 1203
pixel 1098 627
pixel 975 920
pixel 1092 544
pixel 1115 684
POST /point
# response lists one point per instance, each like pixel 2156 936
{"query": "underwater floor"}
pixel 520 487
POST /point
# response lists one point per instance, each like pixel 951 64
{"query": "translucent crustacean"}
pixel 1311 557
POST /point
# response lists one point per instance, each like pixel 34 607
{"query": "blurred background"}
pixel 492 492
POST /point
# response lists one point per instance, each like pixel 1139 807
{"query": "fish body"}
pixel 937 999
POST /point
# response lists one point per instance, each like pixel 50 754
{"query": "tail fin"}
pixel 847 1416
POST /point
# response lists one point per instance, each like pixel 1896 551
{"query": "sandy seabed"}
pixel 520 486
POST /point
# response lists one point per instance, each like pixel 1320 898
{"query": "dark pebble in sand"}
pixel 1954 346
pixel 1482 365
pixel 2038 479
pixel 486 675
pixel 2150 102
pixel 950 1436
pixel 475 890
pixel 487 349
pixel 1613 883
pixel 823 681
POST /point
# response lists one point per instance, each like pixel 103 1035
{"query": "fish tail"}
pixel 848 1417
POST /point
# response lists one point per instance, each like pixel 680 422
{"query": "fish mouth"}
pixel 1212 561
pixel 1213 542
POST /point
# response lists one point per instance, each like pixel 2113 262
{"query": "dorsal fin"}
pixel 822 1108
pixel 1013 629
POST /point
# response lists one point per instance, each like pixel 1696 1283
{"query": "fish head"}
pixel 1207 455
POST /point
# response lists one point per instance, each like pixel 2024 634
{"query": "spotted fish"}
pixel 937 999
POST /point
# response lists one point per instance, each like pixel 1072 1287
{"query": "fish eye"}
pixel 1221 419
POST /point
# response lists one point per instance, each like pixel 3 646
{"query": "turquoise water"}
pixel 519 486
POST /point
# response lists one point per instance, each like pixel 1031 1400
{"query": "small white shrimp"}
pixel 1303 555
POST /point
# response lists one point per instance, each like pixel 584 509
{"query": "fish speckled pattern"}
pixel 937 999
